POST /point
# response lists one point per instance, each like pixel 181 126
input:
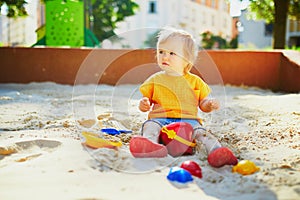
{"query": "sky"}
pixel 236 6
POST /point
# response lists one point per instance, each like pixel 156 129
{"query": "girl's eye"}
pixel 172 53
pixel 160 52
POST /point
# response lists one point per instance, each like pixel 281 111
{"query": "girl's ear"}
pixel 188 68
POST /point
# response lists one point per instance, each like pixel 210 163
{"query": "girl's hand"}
pixel 208 105
pixel 145 104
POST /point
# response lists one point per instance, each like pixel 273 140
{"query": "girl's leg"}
pixel 147 146
pixel 210 142
pixel 218 156
pixel 151 129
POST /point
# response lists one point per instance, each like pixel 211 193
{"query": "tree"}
pixel 15 8
pixel 106 14
pixel 276 12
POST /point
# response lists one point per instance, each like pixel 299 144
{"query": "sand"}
pixel 40 131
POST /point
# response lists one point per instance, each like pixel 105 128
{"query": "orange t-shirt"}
pixel 174 96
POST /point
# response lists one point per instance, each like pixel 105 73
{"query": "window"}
pixel 203 18
pixel 268 29
pixel 213 4
pixel 193 15
pixel 152 7
pixel 225 23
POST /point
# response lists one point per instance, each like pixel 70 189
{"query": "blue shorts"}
pixel 165 121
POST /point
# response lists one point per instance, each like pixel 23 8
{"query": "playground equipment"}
pixel 65 25
pixel 245 167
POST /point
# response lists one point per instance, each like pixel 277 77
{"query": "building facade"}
pixel 293 33
pixel 194 16
pixel 254 34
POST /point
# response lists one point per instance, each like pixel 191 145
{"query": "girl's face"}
pixel 170 57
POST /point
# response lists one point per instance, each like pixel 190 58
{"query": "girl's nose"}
pixel 165 55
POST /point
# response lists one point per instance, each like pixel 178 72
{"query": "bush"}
pixel 211 41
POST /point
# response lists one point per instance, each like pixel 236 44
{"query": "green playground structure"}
pixel 65 25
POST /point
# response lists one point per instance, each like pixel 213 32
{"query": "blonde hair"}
pixel 190 48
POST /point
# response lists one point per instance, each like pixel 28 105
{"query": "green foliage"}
pixel 265 9
pixel 15 8
pixel 106 13
pixel 211 41
pixel 262 9
pixel 294 9
pixel 234 43
pixel 293 48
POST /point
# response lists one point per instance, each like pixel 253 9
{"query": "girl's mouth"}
pixel 164 63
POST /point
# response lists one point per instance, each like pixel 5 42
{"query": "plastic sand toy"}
pixel 177 137
pixel 245 167
pixel 192 167
pixel 94 141
pixel 113 131
pixel 179 175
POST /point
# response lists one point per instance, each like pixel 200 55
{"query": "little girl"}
pixel 174 95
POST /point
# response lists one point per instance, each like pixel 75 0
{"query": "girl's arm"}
pixel 145 104
pixel 209 104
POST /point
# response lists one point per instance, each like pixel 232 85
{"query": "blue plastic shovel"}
pixel 113 131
